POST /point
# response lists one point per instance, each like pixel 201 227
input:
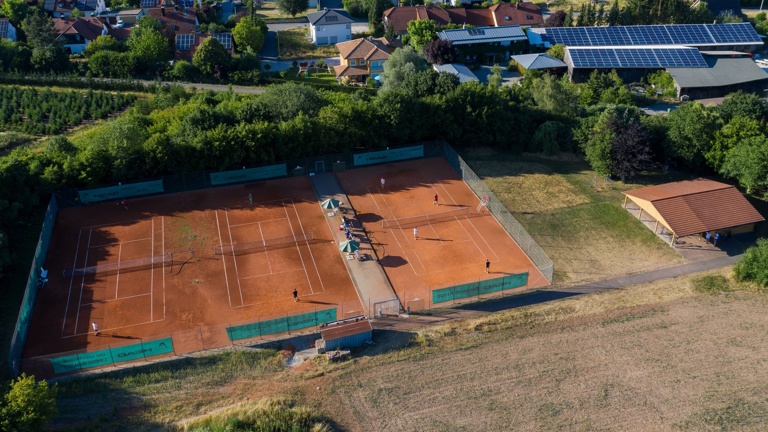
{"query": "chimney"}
pixel 162 11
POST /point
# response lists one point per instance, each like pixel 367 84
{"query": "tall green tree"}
pixel 754 265
pixel 422 32
pixel 748 163
pixel 727 137
pixel 248 35
pixel 568 22
pixel 403 62
pixel 691 133
pixel 747 105
pixel 210 54
pixel 148 44
pixel 555 96
pixel 28 406
pixel 101 43
pixel 15 10
pixel 292 7
pixel 614 14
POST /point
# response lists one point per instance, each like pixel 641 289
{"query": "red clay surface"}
pixel 196 297
pixel 448 252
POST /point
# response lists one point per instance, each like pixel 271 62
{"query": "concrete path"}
pixel 481 308
pixel 368 277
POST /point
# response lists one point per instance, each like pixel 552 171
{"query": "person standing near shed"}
pixel 487 265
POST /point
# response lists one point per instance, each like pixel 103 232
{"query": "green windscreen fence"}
pixel 388 155
pixel 121 191
pixel 111 356
pixel 33 284
pixel 474 289
pixel 250 174
pixel 281 325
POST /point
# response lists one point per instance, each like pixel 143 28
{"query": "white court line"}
pixel 446 191
pixel 223 258
pixel 258 222
pixel 114 300
pixel 483 238
pixel 269 274
pixel 127 241
pixel 308 246
pixel 117 280
pixel 299 251
pixel 234 258
pixel 121 223
pixel 103 330
pixel 266 252
pixel 391 212
pixel 82 283
pixel 152 277
pixel 71 280
pixel 374 199
pixel 473 239
pixel 162 225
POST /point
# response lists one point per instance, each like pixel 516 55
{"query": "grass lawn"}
pixel 314 77
pixel 270 12
pixel 293 45
pixel 586 232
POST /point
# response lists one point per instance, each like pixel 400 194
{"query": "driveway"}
pixel 508 78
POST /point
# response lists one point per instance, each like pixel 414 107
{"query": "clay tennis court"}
pixel 192 283
pixel 451 249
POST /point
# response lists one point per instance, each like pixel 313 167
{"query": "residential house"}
pixel 487 44
pixel 7 30
pixel 525 14
pixel 179 26
pixel 187 44
pixel 330 26
pixel 124 17
pixel 63 8
pixel 364 58
pixel 77 33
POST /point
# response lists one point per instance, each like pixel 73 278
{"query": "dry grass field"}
pixel 586 232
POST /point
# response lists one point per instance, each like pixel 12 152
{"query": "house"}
pixel 63 8
pixel 77 33
pixel 185 45
pixel 330 26
pixel 525 14
pixel 459 70
pixel 360 59
pixel 124 17
pixel 487 44
pixel 7 30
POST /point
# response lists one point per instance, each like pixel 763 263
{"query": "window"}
pixel 353 62
pixel 349 26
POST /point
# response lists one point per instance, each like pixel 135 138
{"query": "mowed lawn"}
pixel 585 231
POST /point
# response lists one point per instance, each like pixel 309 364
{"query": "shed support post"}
pixel 640 216
pixel 625 201
pixel 655 228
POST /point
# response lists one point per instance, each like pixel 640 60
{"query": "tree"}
pixel 618 143
pixel 548 138
pixel 210 54
pixel 148 44
pixel 76 13
pixel 600 17
pixel 15 10
pixel 429 82
pixel 248 35
pixel 292 7
pixel 28 405
pixel 556 19
pixel 112 64
pixel 555 96
pixel 401 63
pixel 631 150
pixel 614 14
pixel 691 133
pixel 39 29
pixel 374 10
pixel 557 51
pixel 754 265
pixel 422 32
pixel 439 52
pixel 286 101
pixel 738 129
pixel 727 17
pixel 569 18
pixel 495 79
pixel 748 163
pixel 101 43
pixel 747 105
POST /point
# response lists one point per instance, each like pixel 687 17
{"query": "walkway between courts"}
pixel 471 310
pixel 368 277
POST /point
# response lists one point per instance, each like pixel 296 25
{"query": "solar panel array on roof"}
pixel 147 3
pixel 184 41
pixel 626 58
pixel 225 39
pixel 678 34
pixel 186 3
pixel 3 28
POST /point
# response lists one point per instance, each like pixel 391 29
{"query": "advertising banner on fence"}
pixel 473 289
pixel 376 157
pixel 250 174
pixel 281 325
pixel 110 356
pixel 122 191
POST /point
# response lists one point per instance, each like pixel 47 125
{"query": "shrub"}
pixel 754 265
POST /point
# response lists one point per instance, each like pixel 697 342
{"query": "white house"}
pixel 329 27
pixel 7 30
pixel 77 33
pixel 63 8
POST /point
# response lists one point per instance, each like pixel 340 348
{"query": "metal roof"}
pixel 538 61
pixel 722 71
pixel 483 35
pixel 329 17
pixel 695 206
pixel 459 70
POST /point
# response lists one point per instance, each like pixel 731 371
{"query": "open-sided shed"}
pixel 347 333
pixel 695 206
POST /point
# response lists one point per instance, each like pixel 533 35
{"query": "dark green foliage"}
pixel 286 101
pixel 747 105
pixel 113 64
pixel 429 82
pixel 209 55
pixel 754 265
pixel 292 7
pixel 691 133
pixel 28 405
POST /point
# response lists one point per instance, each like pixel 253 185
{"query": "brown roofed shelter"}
pixel 695 206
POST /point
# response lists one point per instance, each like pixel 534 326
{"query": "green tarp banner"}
pixel 123 191
pixel 479 288
pixel 389 155
pixel 250 174
pixel 116 355
pixel 280 325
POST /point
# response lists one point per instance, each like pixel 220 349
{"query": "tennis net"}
pixel 406 222
pixel 263 245
pixel 122 266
